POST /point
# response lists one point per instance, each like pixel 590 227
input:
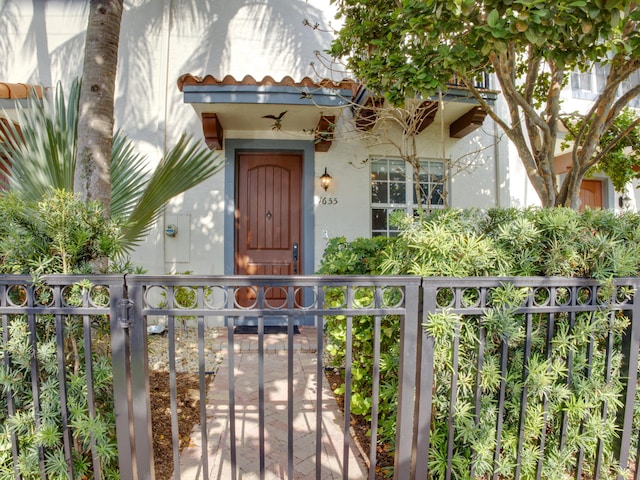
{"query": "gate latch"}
pixel 124 305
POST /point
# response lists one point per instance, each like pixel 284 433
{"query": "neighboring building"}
pixel 245 78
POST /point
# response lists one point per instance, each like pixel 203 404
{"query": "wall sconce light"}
pixel 325 180
pixel 624 201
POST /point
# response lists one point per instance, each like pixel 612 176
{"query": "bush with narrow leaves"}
pixel 500 242
pixel 58 234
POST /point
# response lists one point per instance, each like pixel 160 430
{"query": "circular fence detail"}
pixel 584 296
pixel 245 298
pixel 470 297
pixel 445 297
pixel 72 295
pixel 185 298
pixel 17 296
pixel 363 297
pixel 624 294
pixel 392 297
pixel 99 296
pixel 562 297
pixel 155 296
pixel 305 297
pixel 276 298
pixel 43 296
pixel 335 297
pixel 215 298
pixel 506 296
pixel 605 295
pixel 541 296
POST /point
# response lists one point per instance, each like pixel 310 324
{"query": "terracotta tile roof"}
pixel 17 91
pixel 189 79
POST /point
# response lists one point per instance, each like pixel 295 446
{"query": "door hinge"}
pixel 124 305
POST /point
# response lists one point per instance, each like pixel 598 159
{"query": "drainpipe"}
pixel 496 159
pixel 163 110
pixel 167 24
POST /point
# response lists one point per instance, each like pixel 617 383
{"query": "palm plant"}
pixel 38 153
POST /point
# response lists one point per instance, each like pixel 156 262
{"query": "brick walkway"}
pixel 275 411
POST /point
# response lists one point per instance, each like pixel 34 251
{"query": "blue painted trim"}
pixel 464 96
pixel 308 181
pixel 452 94
pixel 266 94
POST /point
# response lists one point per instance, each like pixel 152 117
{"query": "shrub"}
pixel 511 242
pixel 499 242
pixel 59 234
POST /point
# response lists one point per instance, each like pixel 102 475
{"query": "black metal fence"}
pixel 550 308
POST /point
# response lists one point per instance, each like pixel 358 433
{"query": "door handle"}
pixel 295 250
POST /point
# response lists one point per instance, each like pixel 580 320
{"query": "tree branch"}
pixel 533 71
pixel 541 175
pixel 618 138
pixel 604 111
pixel 515 99
pixel 620 104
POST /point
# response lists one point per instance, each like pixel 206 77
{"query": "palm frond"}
pixel 129 176
pixel 39 155
pixel 183 167
pixel 41 148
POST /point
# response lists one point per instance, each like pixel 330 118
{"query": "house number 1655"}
pixel 328 201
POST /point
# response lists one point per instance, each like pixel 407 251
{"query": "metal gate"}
pixel 128 303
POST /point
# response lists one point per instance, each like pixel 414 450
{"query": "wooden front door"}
pixel 590 194
pixel 268 213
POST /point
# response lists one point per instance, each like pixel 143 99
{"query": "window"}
pixel 632 81
pixel 588 85
pixel 392 190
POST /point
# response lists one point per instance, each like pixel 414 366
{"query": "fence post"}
pixel 142 435
pixel 404 462
pixel 131 383
pixel 121 383
pixel 628 376
pixel 424 388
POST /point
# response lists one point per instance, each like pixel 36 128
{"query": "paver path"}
pixel 276 419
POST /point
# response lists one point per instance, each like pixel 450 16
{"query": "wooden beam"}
pixel 562 163
pixel 324 133
pixel 367 115
pixel 212 129
pixel 425 115
pixel 467 123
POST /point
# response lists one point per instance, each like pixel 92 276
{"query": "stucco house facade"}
pixel 250 80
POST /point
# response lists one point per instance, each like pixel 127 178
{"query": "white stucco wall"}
pixel 162 40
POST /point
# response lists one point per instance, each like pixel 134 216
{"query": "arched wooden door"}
pixel 268 214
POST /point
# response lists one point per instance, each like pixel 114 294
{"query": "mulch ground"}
pixel 188 392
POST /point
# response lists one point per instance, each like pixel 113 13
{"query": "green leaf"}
pixel 532 36
pixel 499 33
pixel 492 18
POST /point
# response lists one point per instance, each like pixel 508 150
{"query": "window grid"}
pixel 392 190
pixel 588 85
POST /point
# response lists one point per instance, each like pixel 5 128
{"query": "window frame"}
pixel 435 171
pixel 596 77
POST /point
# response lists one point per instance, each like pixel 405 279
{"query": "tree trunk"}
pixel 92 180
